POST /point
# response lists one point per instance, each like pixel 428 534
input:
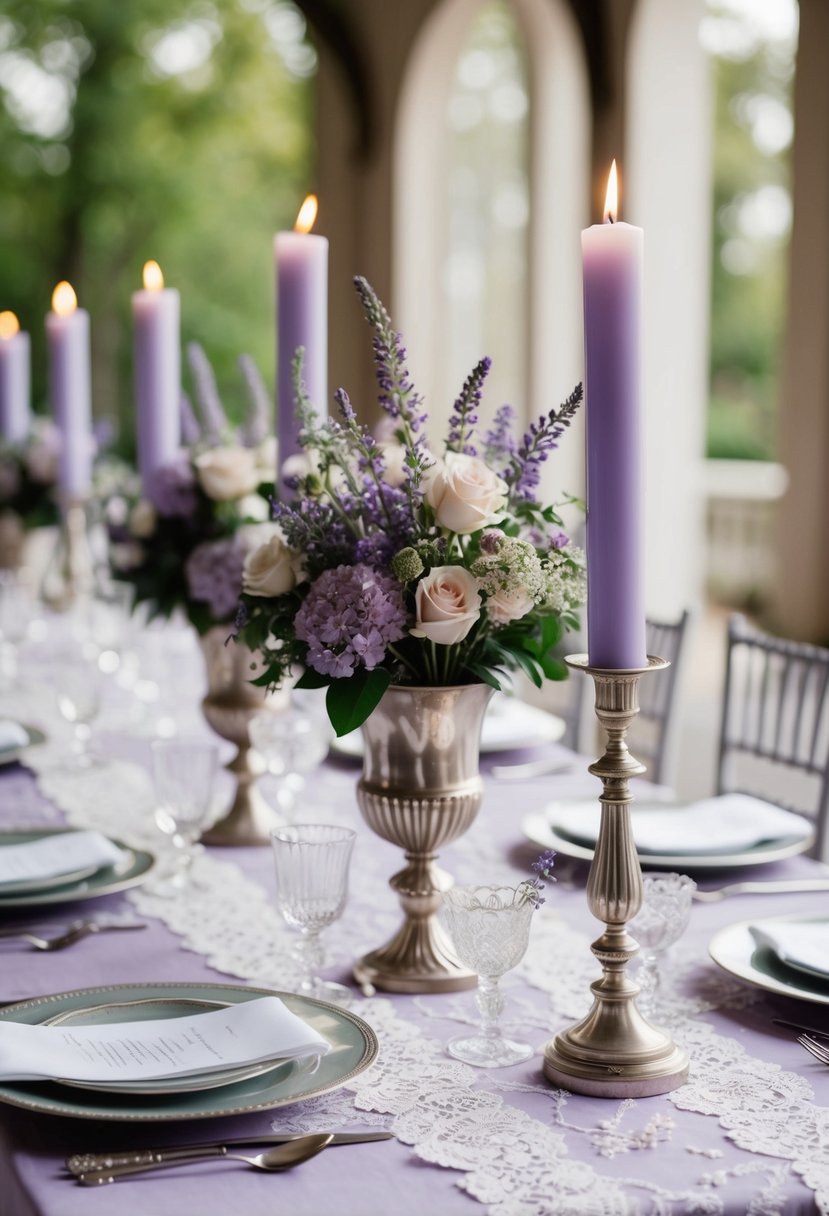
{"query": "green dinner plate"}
pixel 136 867
pixel 353 1048
pixel 735 950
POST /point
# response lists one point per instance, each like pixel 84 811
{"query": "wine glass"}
pixel 78 695
pixel 312 861
pixel 17 607
pixel 659 923
pixel 490 929
pixel 292 743
pixel 184 772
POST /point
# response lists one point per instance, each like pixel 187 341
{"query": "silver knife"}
pixel 85 1163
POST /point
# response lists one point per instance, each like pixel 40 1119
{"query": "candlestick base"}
pixel 70 575
pixel 614 1052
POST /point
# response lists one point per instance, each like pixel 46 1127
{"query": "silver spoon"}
pixel 283 1157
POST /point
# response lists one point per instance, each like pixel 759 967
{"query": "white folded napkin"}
pixel 248 1033
pixel 799 943
pixel 725 824
pixel 51 856
pixel 12 735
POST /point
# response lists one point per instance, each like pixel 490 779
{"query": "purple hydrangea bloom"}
pixel 171 488
pixel 349 617
pixel 214 576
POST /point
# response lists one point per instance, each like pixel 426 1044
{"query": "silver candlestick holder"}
pixel 70 575
pixel 614 1052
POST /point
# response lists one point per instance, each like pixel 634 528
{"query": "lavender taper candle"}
pixel 70 392
pixel 156 315
pixel 612 261
pixel 302 320
pixel 15 377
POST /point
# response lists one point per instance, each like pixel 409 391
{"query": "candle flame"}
pixel 153 278
pixel 611 201
pixel 307 214
pixel 9 325
pixel 64 300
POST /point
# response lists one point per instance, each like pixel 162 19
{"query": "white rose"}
pixel 42 462
pixel 394 462
pixel 465 493
pixel 226 473
pixel 511 605
pixel 266 455
pixel 142 520
pixel 447 605
pixel 253 506
pixel 272 568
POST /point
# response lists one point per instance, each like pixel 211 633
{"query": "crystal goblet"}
pixel 78 696
pixel 490 929
pixel 292 744
pixel 659 923
pixel 311 861
pixel 184 772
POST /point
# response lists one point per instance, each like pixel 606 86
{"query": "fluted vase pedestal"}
pixel 421 789
pixel 615 1052
pixel 230 704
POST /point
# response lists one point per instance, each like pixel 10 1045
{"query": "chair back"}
pixel 652 737
pixel 774 729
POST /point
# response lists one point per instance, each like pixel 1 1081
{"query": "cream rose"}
pixel 511 605
pixel 142 520
pixel 394 461
pixel 272 568
pixel 447 605
pixel 226 473
pixel 465 493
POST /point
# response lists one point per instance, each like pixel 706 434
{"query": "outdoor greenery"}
pixel 133 129
pixel 752 74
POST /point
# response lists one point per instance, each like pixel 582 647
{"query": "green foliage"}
pixel 749 281
pixel 196 169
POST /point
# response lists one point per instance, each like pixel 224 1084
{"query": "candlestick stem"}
pixel 71 573
pixel 614 1052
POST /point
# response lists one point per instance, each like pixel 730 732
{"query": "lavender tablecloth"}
pixel 661 1158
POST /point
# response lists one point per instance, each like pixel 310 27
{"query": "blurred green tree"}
pixel 168 129
pixel 753 70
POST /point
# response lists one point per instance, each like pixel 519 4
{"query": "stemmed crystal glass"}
pixel 490 929
pixel 291 743
pixel 184 772
pixel 77 689
pixel 17 607
pixel 659 923
pixel 312 861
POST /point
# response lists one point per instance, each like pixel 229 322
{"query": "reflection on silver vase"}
pixel 230 704
pixel 421 789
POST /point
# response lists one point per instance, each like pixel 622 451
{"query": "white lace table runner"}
pixel 455 1116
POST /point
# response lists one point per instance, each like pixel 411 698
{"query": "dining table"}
pixel 747 1133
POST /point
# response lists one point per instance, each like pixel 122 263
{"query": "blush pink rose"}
pixel 465 493
pixel 510 605
pixel 447 605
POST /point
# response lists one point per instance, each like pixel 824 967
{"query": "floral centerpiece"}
pixel 401 563
pixel 29 475
pixel 181 539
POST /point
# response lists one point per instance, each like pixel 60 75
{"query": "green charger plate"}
pixel 353 1048
pixel 137 867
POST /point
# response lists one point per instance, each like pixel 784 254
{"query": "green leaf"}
pixel 350 701
pixel 554 669
pixel 551 632
pixel 528 666
pixel 483 673
pixel 312 679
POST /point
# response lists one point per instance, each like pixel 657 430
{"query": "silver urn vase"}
pixel 421 789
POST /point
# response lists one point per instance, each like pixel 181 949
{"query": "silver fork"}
pixel 814 1048
pixel 75 933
